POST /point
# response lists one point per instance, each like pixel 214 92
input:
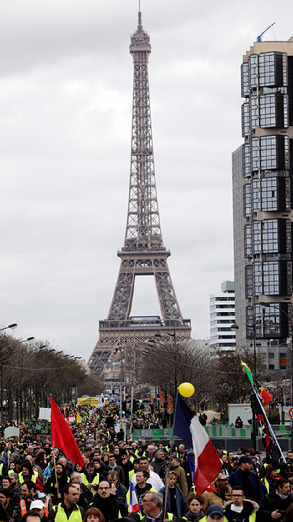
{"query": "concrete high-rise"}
pixel 263 203
pixel 222 316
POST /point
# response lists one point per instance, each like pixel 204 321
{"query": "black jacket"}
pixel 249 507
pixel 111 507
pixel 271 502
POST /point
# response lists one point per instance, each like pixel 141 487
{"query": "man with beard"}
pixel 12 509
pixel 56 483
pixel 108 503
pixel 274 504
pixel 28 494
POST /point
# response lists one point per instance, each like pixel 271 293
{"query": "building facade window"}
pixel 253 71
pixel 255 195
pixel 245 119
pixel 246 160
pixel 270 236
pixel 257 279
pixel 244 80
pixel 270 69
pixel 247 200
pixel 271 278
pixel 275 194
pixel 248 240
pixel 256 237
pixel 268 111
pixel 249 281
pixel 253 112
pixel 268 152
pixel 255 153
pixel 269 199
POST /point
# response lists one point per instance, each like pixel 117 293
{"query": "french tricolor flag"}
pixel 133 506
pixel 206 460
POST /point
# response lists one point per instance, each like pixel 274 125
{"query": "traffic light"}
pixel 123 407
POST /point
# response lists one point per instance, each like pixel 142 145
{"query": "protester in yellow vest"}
pixel 67 510
pixel 90 477
pixel 244 508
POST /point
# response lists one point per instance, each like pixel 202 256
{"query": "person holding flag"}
pixel 62 436
pixel 260 398
pixel 207 463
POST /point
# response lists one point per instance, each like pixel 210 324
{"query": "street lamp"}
pixel 13 325
pixel 38 348
pixel 26 340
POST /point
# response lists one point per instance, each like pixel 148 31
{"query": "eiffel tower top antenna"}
pixel 139 27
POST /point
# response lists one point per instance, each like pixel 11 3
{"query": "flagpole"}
pixel 53 442
pixel 256 393
pixel 167 483
pixel 57 483
pixel 269 425
pixel 169 467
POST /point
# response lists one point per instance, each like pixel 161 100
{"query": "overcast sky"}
pixel 65 128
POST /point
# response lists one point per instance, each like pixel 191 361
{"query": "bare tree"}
pixel 28 375
pixel 166 365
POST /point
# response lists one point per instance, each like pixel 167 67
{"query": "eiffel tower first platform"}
pixel 143 253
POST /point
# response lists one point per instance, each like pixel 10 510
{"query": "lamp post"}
pixel 26 340
pixel 13 325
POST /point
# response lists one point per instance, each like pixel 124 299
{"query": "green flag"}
pixel 248 372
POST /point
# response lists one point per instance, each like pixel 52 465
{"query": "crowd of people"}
pixel 134 480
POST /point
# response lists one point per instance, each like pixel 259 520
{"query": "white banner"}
pixel 45 413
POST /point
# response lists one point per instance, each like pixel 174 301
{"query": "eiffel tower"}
pixel 143 253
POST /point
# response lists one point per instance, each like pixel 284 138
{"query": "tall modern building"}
pixel 262 202
pixel 143 253
pixel 222 316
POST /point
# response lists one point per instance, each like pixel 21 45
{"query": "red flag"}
pixel 62 436
pixel 266 396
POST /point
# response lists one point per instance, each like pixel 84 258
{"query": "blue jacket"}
pixel 180 501
pixel 258 488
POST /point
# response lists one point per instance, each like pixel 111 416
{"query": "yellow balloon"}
pixel 186 389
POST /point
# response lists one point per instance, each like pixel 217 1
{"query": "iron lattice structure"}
pixel 143 253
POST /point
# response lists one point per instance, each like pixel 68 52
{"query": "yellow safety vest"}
pixel 95 480
pixel 33 477
pixel 251 518
pixel 62 517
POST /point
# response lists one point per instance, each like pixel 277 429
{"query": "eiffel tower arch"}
pixel 143 253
